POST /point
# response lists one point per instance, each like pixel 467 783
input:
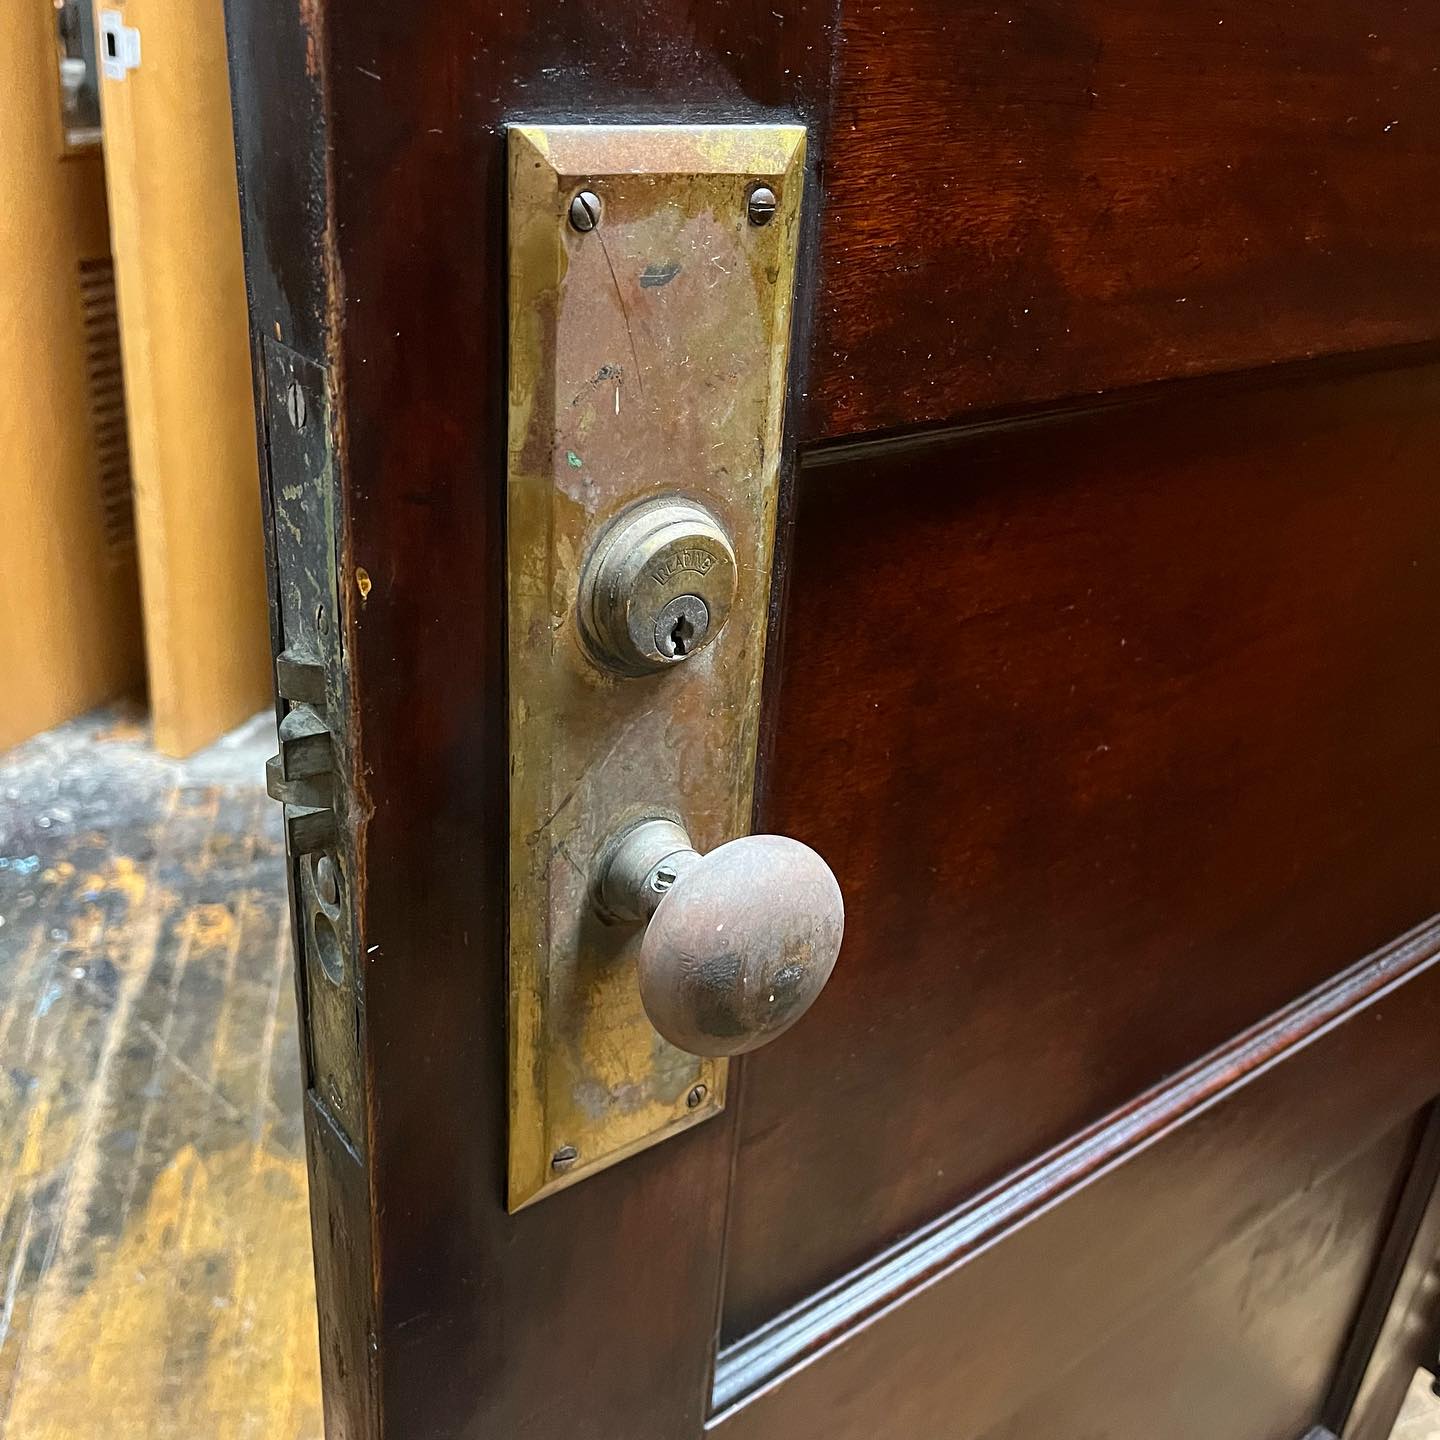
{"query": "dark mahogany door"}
pixel 1102 671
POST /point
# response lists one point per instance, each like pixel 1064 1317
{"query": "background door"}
pixel 1100 674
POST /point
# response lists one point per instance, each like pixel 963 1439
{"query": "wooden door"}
pixel 1099 670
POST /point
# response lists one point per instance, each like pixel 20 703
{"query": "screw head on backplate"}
pixel 295 405
pixel 761 206
pixel 585 211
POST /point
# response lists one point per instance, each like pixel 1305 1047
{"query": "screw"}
pixel 327 882
pixel 295 404
pixel 585 211
pixel 762 205
pixel 696 1097
pixel 564 1158
pixel 681 626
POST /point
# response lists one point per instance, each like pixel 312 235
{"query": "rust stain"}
pixel 310 20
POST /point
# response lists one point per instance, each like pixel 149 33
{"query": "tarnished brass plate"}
pixel 648 358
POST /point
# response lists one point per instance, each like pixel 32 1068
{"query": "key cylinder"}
pixel 657 586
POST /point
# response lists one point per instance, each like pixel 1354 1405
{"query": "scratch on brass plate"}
pixel 648 356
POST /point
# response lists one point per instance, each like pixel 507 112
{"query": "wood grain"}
pixel 1407 1340
pixel 1101 771
pixel 176 236
pixel 967 1351
pixel 864 1294
pixel 1033 201
pixel 386 255
pixel 154 1244
pixel 1084 710
pixel 1246 1345
pixel 1369 1352
pixel 69 599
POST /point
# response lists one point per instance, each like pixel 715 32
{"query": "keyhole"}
pixel 681 627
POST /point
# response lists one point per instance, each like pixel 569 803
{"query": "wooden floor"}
pixel 154 1235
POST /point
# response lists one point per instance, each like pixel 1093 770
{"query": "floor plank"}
pixel 154 1235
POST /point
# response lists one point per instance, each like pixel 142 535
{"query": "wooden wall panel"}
pixel 1030 201
pixel 69 606
pixel 175 221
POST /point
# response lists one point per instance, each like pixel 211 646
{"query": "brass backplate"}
pixel 648 357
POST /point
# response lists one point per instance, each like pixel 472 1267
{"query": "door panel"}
pixel 1396 1333
pixel 955 1331
pixel 1143 752
pixel 1249 1343
pixel 1033 200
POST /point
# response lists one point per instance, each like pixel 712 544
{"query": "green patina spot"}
pixel 573 458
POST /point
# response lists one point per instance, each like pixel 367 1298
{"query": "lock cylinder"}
pixel 657 587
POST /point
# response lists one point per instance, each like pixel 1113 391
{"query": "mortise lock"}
pixel 738 943
pixel 657 587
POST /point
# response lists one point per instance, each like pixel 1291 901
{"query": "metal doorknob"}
pixel 738 942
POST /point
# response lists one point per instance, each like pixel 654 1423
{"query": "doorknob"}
pixel 738 942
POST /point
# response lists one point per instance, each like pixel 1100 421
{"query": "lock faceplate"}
pixel 648 362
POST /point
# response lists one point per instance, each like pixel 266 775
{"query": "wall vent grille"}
pixel 106 384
